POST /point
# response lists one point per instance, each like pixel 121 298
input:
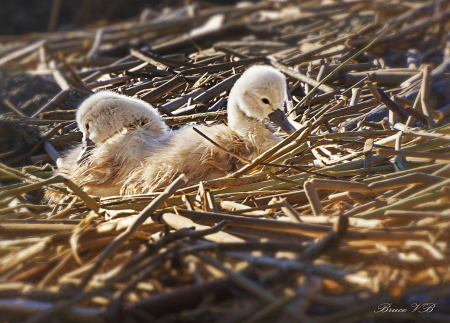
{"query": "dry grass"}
pixel 349 212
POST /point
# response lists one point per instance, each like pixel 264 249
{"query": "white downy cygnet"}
pixel 106 113
pixel 116 130
pixel 257 96
pixel 149 157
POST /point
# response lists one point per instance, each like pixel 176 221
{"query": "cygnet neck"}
pixel 246 127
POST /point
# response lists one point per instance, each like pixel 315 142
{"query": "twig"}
pixel 409 153
pixel 245 160
pixel 162 90
pixel 326 78
pixel 53 102
pixel 120 239
pixel 331 240
pixel 222 67
pixel 313 198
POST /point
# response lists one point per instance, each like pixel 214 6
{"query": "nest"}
pixel 345 220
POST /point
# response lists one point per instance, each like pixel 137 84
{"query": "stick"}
pixel 313 198
pixel 52 103
pixel 326 78
pixel 120 239
pixel 417 154
pixel 245 160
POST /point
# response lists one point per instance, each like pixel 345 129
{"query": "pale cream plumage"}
pixel 120 129
pixel 149 157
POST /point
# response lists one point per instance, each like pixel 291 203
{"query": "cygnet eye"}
pixel 265 100
pixel 87 126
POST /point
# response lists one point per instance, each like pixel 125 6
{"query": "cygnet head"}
pixel 260 93
pixel 106 113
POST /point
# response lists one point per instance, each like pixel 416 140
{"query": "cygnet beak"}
pixel 280 119
pixel 84 154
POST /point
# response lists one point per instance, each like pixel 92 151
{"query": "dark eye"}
pixel 266 101
pixel 87 126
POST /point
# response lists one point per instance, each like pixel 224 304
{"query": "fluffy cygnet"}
pixel 257 96
pixel 149 157
pixel 106 113
pixel 116 130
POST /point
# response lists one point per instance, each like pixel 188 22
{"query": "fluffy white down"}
pixel 106 113
pixel 121 128
pixel 257 83
pixel 185 152
pixel 149 157
pixel 246 109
